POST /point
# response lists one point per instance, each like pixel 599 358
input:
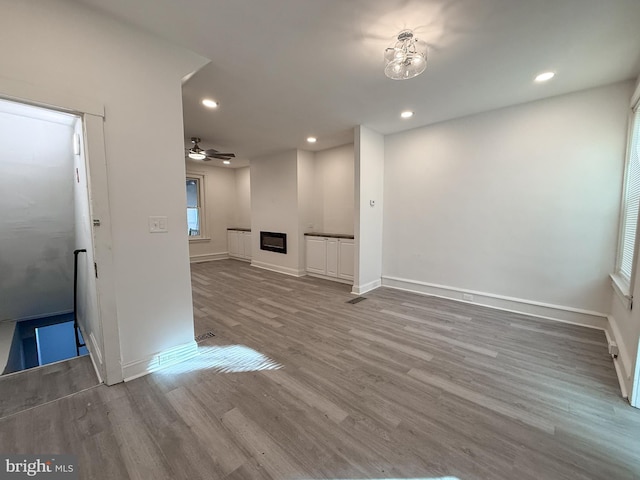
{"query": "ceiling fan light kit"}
pixel 197 153
pixel 404 60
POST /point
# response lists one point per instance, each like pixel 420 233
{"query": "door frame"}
pixel 108 364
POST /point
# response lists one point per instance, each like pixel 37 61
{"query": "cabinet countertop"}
pixel 330 235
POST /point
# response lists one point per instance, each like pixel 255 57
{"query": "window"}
pixel 195 206
pixel 630 206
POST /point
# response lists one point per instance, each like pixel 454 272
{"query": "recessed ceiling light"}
pixel 406 114
pixel 226 162
pixel 209 103
pixel 543 77
pixel 312 139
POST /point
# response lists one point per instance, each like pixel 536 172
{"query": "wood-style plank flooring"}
pixel 298 384
pixel 29 388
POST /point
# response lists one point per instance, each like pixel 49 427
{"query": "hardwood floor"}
pixel 298 384
pixel 29 388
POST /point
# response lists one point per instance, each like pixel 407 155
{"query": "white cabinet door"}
pixel 332 257
pixel 346 259
pixel 246 236
pixel 233 239
pixel 241 252
pixel 316 255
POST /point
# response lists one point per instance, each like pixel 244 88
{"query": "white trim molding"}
pixel 208 257
pixel 634 400
pixel 294 272
pixel 622 289
pixel 623 364
pixel 199 239
pixel 332 279
pixel 617 363
pixel 97 362
pixel 367 287
pixel 585 318
pixel 46 97
pixel 158 361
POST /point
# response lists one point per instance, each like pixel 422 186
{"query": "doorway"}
pixel 43 201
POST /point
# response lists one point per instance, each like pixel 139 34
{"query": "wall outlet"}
pixel 468 297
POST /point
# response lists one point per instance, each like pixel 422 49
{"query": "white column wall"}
pixel 70 51
pixel 369 189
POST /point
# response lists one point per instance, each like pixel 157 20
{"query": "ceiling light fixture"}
pixel 312 139
pixel 196 155
pixel 209 103
pixel 407 114
pixel 404 60
pixel 195 152
pixel 227 162
pixel 543 77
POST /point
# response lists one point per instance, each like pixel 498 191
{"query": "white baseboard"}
pixel 208 257
pixel 585 318
pixel 367 287
pixel 242 259
pixel 332 279
pixel 623 363
pixel 294 272
pixel 95 346
pixel 153 363
pixel 94 354
pixel 618 364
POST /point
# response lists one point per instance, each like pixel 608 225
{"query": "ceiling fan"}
pixel 197 153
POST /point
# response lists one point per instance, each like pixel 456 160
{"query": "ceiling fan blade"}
pixel 212 153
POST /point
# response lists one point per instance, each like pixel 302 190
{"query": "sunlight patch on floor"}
pixel 412 478
pixel 224 359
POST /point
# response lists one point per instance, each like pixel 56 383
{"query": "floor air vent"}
pixel 353 301
pixel 204 336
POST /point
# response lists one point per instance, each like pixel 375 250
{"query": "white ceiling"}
pixel 286 69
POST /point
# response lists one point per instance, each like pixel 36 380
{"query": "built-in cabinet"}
pixel 239 243
pixel 330 256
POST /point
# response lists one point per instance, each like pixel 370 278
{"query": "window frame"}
pixel 200 180
pixel 624 286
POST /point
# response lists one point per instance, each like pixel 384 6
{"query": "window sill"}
pixel 622 289
pixel 199 239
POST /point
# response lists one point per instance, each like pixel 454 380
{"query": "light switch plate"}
pixel 158 225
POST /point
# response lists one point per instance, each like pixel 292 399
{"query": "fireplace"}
pixel 273 242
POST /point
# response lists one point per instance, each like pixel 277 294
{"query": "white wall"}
pixel 68 50
pixel 521 202
pixel 274 208
pixel 220 194
pixel 334 186
pixel 309 212
pixel 36 212
pixel 369 183
pixel 242 207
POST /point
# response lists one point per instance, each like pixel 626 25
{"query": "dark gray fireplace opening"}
pixel 273 242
